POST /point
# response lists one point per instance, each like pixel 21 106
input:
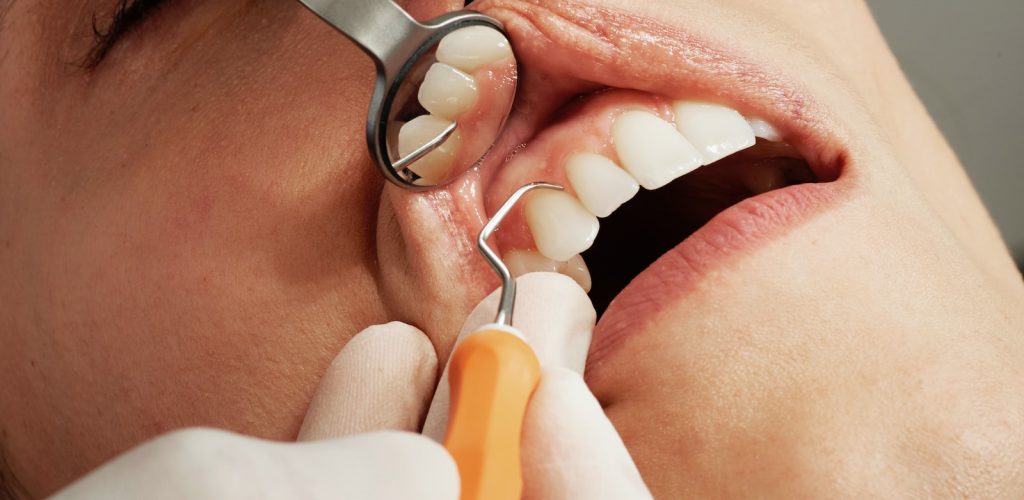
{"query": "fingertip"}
pixel 395 336
pixel 382 379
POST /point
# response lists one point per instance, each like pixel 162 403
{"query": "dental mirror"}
pixel 444 87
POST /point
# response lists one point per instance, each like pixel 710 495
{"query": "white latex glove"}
pixel 570 448
pixel 380 385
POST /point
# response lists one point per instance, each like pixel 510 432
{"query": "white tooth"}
pixel 601 185
pixel 764 130
pixel 470 48
pixel 447 92
pixel 717 131
pixel 521 262
pixel 762 177
pixel 435 165
pixel 560 225
pixel 576 269
pixel 651 149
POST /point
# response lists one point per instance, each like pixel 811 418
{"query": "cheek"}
pixel 200 246
pixel 213 296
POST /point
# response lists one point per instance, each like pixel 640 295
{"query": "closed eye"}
pixel 128 16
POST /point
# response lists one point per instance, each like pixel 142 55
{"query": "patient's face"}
pixel 192 229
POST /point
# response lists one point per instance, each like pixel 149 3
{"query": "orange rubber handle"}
pixel 491 377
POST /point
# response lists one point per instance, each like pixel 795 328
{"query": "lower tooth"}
pixel 433 167
pixel 576 269
pixel 522 262
pixel 560 225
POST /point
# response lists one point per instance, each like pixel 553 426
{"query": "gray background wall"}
pixel 965 58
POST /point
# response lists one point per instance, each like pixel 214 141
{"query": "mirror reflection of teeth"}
pixel 472 48
pixel 434 167
pixel 652 152
pixel 447 91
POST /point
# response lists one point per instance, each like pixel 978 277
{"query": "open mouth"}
pixel 664 218
pixel 676 156
pixel 642 174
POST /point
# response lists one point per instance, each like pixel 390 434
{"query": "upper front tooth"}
pixel 433 167
pixel 446 91
pixel 652 150
pixel 521 262
pixel 601 185
pixel 764 130
pixel 560 225
pixel 470 48
pixel 717 131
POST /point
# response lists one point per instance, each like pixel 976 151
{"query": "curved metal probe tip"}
pixel 423 150
pixel 508 285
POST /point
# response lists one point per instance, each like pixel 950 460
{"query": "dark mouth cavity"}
pixel 653 222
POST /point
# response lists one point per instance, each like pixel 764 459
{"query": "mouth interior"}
pixel 653 222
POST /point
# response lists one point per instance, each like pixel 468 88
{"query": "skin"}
pixel 183 242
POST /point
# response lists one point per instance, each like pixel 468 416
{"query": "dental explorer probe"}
pixel 492 375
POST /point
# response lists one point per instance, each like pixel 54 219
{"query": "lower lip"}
pixel 737 231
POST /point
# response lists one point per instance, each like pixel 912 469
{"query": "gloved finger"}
pixel 570 449
pixel 383 379
pixel 207 464
pixel 554 314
